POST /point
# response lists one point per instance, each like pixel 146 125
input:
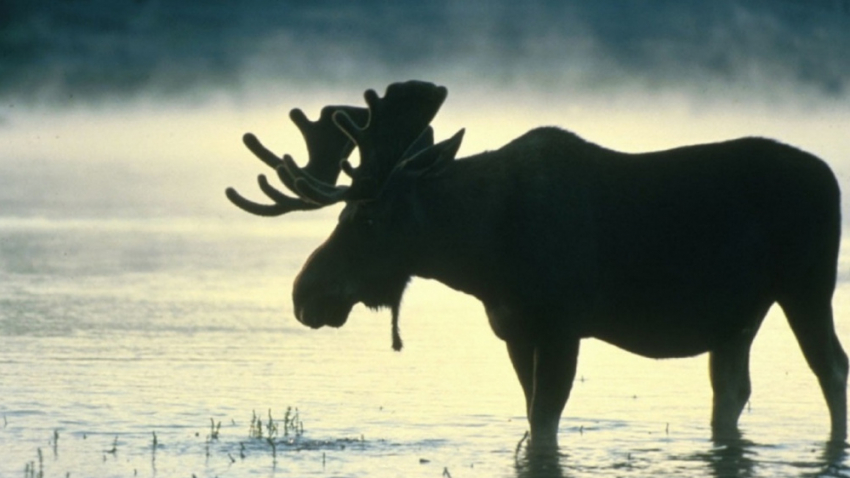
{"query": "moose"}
pixel 665 254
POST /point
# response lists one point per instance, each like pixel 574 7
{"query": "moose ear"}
pixel 433 159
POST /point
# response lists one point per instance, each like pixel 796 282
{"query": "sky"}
pixel 127 84
pixel 107 50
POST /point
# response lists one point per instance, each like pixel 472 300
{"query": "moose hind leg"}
pixel 729 369
pixel 812 323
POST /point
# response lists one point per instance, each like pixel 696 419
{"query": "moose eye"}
pixel 363 218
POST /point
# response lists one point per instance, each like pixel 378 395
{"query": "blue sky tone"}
pixel 102 50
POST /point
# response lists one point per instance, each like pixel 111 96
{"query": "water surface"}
pixel 113 331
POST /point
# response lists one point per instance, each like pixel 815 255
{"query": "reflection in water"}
pixel 536 463
pixel 728 457
pixel 833 460
pixel 731 456
pixel 737 457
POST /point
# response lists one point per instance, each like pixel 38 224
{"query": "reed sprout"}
pixel 55 443
pixel 29 471
pixel 256 429
pixel 271 426
pixel 153 452
pixel 274 451
pixel 214 429
pixel 267 430
pixel 292 425
pixel 114 450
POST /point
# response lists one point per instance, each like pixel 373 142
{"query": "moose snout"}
pixel 317 303
pixel 301 316
pixel 322 309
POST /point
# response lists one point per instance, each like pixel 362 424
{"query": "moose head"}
pixel 367 258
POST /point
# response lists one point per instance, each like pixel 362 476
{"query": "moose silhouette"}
pixel 664 254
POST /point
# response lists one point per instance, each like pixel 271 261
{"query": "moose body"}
pixel 664 254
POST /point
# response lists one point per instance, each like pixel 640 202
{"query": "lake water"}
pixel 115 333
pixel 137 307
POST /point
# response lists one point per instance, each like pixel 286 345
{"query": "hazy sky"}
pixel 96 50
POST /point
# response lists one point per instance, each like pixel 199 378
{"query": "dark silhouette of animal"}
pixel 665 254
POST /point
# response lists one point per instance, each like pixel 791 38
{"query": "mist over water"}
pixel 135 299
pixel 109 51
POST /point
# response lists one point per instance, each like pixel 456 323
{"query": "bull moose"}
pixel 664 254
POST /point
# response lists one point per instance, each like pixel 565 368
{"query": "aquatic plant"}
pixel 271 426
pixel 214 429
pixel 269 432
pixel 274 450
pixel 292 425
pixel 114 450
pixel 40 473
pixel 256 428
pixel 29 471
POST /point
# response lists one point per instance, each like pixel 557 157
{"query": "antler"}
pixel 397 122
pixel 327 146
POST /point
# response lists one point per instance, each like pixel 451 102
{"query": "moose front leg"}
pixel 546 372
pixel 522 358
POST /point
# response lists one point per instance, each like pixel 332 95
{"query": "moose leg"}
pixel 813 327
pixel 729 369
pixel 554 371
pixel 522 358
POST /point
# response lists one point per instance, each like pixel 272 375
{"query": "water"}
pixel 113 331
pixel 136 305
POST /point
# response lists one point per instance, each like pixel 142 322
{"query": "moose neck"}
pixel 461 216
